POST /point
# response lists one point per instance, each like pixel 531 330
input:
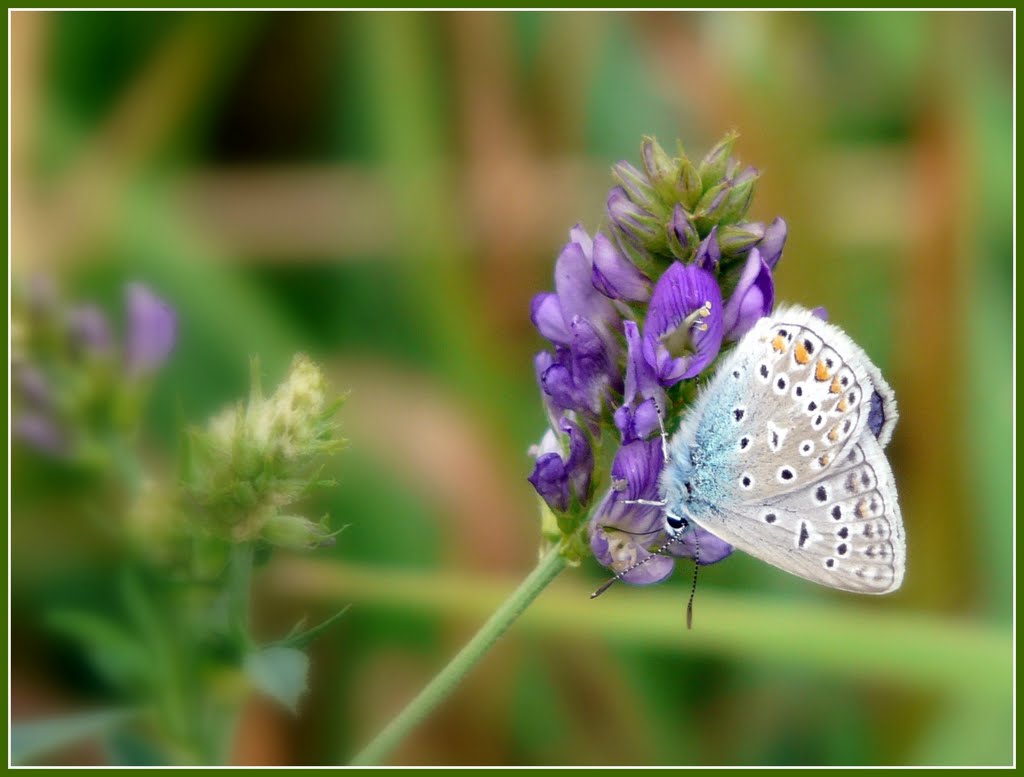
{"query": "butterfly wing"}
pixel 788 436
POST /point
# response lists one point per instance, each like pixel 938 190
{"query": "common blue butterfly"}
pixel 781 455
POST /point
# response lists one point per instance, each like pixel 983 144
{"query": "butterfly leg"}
pixel 664 434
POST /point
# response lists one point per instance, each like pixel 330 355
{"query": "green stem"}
pixel 219 732
pixel 438 689
pixel 239 584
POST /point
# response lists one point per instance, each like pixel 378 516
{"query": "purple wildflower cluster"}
pixel 638 315
pixel 72 381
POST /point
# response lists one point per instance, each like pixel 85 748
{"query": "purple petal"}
pixel 152 329
pixel 551 482
pixel 41 433
pixel 593 371
pixel 680 292
pixel 89 330
pixel 575 288
pixel 32 385
pixel 772 243
pixel 708 253
pixel 557 383
pixel 546 315
pixel 821 313
pixel 641 378
pixel 619 551
pixel 752 299
pixel 580 465
pixel 712 549
pixel 580 236
pixel 615 276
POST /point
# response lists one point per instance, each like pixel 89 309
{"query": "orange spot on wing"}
pixel 821 372
pixel 835 388
pixel 841 405
pixel 779 343
pixel 823 460
pixel 802 357
pixel 833 433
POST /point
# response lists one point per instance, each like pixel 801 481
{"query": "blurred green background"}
pixel 386 191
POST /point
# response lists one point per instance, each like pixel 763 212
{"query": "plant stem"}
pixel 446 680
pixel 239 585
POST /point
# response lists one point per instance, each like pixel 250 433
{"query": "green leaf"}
pixel 300 639
pixel 31 740
pixel 116 654
pixel 280 672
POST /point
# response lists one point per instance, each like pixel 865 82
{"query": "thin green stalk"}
pixel 221 734
pixel 438 689
pixel 239 585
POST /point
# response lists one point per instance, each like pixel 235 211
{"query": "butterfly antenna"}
pixel 654 553
pixel 693 588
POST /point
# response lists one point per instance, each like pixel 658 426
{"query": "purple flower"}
pixel 615 276
pixel 578 377
pixel 581 322
pixel 89 330
pixel 683 331
pixel 708 253
pixel 622 534
pixel 152 330
pixel 752 299
pixel 558 477
pixel 773 242
pixel 41 433
pixel 619 532
pixel 32 385
pixel 643 397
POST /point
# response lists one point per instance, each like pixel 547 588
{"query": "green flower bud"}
pixel 737 239
pixel 738 197
pixel 660 168
pixel 296 532
pixel 712 168
pixel 688 184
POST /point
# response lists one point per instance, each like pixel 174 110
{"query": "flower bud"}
pixel 660 168
pixel 688 184
pixel 738 196
pixel 708 253
pixel 682 234
pixel 637 187
pixel 296 533
pixel 737 239
pixel 712 168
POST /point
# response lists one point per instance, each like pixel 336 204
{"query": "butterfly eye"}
pixel 675 522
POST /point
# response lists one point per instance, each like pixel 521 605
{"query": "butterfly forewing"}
pixel 805 404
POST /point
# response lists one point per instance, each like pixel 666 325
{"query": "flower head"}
pixel 254 460
pixel 638 311
pixel 77 389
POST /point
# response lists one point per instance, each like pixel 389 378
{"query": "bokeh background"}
pixel 386 191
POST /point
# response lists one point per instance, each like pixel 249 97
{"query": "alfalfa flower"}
pixel 640 313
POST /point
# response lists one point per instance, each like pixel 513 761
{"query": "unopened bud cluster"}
pixel 253 462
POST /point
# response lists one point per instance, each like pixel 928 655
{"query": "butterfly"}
pixel 782 456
